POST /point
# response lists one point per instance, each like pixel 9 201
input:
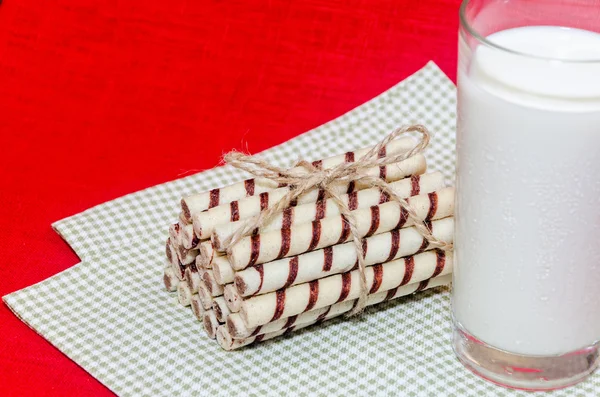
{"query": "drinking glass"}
pixel 526 284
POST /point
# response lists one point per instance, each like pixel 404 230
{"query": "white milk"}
pixel 527 274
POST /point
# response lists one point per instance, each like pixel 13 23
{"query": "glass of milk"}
pixel 526 288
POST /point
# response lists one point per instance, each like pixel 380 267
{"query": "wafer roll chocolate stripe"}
pixel 336 230
pixel 317 264
pixel 200 202
pixel 238 335
pixel 204 223
pixel 261 309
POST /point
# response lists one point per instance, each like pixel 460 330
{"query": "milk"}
pixel 527 273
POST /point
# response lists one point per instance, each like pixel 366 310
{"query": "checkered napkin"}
pixel 111 314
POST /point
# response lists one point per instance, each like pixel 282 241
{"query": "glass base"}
pixel 524 372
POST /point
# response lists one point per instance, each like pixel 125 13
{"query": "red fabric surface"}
pixel 103 98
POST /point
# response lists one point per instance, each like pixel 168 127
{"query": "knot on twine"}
pixel 305 176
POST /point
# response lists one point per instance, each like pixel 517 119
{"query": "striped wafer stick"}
pixel 169 251
pixel 227 340
pixel 268 246
pixel 407 187
pixel 205 222
pixel 232 298
pixel 174 234
pixel 208 279
pixel 341 258
pixel 206 253
pixel 327 291
pixel 193 204
pixel 170 279
pixel 209 319
pixel 193 277
pixel 220 308
pixel 178 269
pixel 188 238
pixel 184 294
pixel 205 297
pixel 222 270
pixel 197 308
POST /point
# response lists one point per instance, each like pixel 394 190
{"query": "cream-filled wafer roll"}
pixel 170 279
pixel 301 298
pixel 193 277
pixel 336 259
pixel 189 240
pixel 206 253
pixel 206 298
pixel 185 255
pixel 178 270
pixel 196 203
pixel 232 298
pixel 228 343
pixel 236 328
pixel 169 251
pixel 220 308
pixel 197 308
pixel 205 222
pixel 182 219
pixel 209 318
pixel 184 294
pixel 208 279
pixel 222 270
pixel 407 187
pixel 174 234
pixel 266 247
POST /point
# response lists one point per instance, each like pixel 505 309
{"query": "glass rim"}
pixel 483 40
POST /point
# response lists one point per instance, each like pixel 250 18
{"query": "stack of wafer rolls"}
pixel 301 268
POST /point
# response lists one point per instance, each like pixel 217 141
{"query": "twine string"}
pixel 305 176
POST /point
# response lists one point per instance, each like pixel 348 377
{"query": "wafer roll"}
pixel 232 298
pixel 184 294
pixel 174 234
pixel 208 278
pixel 301 298
pixel 236 328
pixel 205 297
pixel 222 270
pixel 205 222
pixel 206 253
pixel 169 251
pixel 186 256
pixel 182 219
pixel 193 277
pixel 220 308
pixel 170 279
pixel 268 246
pixel 340 258
pixel 188 238
pixel 211 323
pixel 178 270
pixel 196 203
pixel 415 185
pixel 228 343
pixel 197 308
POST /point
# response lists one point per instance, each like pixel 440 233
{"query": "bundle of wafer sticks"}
pixel 300 266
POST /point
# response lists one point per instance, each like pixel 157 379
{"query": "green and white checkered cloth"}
pixel 112 316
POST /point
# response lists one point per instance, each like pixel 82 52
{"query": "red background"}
pixel 103 98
